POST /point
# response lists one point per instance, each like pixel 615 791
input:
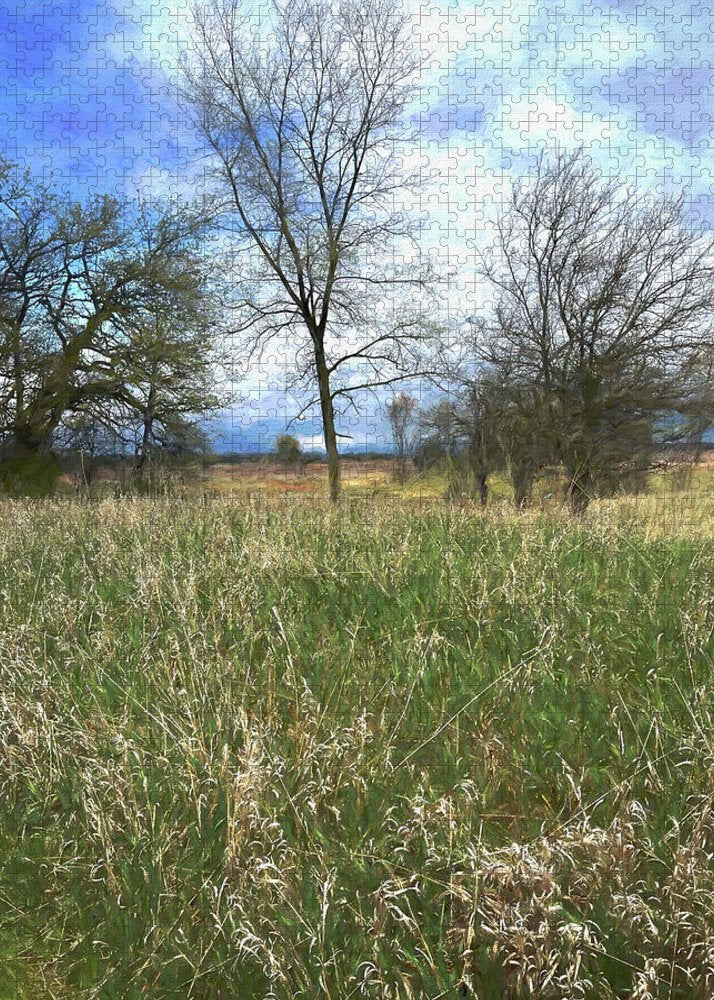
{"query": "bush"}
pixel 29 474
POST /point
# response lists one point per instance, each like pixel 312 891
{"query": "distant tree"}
pixel 428 453
pixel 603 299
pixel 439 433
pixel 184 442
pixel 304 110
pixel 401 411
pixel 288 449
pixel 485 420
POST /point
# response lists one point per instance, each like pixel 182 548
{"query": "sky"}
pixel 88 97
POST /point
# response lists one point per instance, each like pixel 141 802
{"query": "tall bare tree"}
pixel 603 299
pixel 304 111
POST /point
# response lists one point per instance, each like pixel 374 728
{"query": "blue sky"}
pixel 86 93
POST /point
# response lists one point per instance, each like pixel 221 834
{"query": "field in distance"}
pixel 372 476
pixel 277 749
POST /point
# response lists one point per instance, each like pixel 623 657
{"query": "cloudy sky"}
pixel 86 95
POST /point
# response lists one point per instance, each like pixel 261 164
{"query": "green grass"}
pixel 389 750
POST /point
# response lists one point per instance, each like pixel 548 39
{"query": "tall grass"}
pixel 280 750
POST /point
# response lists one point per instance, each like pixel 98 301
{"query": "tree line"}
pixel 592 344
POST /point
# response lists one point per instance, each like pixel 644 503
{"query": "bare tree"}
pixel 488 420
pixel 481 414
pixel 508 423
pixel 303 109
pixel 400 411
pixel 602 313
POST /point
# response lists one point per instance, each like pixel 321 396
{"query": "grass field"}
pixel 260 749
pixel 373 477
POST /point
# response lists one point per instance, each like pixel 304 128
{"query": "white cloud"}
pixel 502 81
pixel 310 442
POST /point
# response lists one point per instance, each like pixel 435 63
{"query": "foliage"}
pixel 104 307
pixel 26 472
pixel 288 449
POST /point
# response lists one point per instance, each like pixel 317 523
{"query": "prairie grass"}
pixel 271 749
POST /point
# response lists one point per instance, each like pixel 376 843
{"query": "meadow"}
pixel 265 748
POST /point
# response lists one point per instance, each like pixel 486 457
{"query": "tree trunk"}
pixel 401 475
pixel 328 427
pixel 19 383
pixel 579 489
pixel 522 476
pixel 30 468
pixel 140 460
pixel 483 488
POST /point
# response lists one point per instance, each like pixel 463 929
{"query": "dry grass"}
pixel 270 749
